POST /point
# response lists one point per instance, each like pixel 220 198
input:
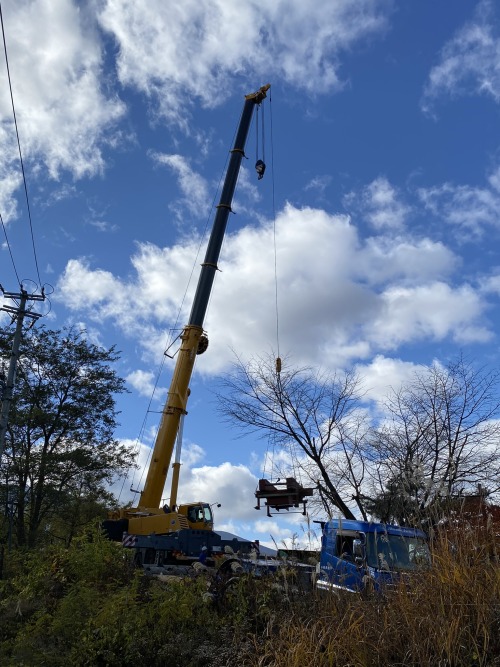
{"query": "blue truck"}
pixel 359 556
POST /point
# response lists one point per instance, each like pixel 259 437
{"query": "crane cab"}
pixel 159 521
pixel 199 515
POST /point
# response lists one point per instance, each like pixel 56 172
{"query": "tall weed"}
pixel 447 616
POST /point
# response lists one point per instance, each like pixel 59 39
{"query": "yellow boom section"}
pixel 175 407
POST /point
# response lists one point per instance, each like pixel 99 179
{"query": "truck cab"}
pixel 359 555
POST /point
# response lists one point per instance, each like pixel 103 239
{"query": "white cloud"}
pixel 383 374
pixel 469 62
pixel 68 112
pixel 411 261
pixel 432 311
pixel 319 183
pixel 176 51
pixel 339 300
pixel 96 216
pixel 379 204
pixel 192 454
pixel 105 297
pixel 272 527
pixel 246 187
pixel 122 485
pixel 468 208
pixel 491 284
pixel 10 178
pixel 233 486
pixel 192 185
pixel 142 382
pixel 98 284
pixel 64 111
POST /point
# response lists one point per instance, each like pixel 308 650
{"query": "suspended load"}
pixel 282 495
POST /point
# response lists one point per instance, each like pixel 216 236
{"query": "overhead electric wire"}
pixel 19 147
pixel 10 249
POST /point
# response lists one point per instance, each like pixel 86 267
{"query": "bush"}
pixel 85 606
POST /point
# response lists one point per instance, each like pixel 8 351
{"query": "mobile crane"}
pixel 163 533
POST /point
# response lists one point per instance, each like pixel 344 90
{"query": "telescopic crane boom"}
pixel 147 517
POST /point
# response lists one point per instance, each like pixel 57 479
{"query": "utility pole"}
pixel 18 313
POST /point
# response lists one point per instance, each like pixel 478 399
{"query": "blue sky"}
pixel 386 183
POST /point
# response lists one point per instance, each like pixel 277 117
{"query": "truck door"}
pixel 347 574
pixel 337 559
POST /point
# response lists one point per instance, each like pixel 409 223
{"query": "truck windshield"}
pixel 396 552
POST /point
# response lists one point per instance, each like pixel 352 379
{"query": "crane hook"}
pixel 260 168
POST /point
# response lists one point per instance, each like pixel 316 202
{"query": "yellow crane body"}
pixel 148 517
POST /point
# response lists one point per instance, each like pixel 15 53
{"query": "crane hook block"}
pixel 202 344
pixel 260 168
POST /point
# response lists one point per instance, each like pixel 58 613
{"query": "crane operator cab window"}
pixel 200 513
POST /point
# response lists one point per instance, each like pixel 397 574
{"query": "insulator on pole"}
pixel 278 365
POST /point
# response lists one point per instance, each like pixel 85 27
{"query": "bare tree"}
pixel 314 416
pixel 441 439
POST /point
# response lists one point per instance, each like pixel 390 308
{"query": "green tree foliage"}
pixel 60 450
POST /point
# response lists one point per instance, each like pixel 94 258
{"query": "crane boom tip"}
pixel 259 95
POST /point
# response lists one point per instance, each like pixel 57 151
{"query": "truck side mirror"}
pixel 358 548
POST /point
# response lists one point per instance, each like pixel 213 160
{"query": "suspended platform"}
pixel 282 495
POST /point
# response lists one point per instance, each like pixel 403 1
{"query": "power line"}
pixel 19 148
pixel 10 249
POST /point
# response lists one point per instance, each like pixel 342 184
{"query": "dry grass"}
pixel 450 616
